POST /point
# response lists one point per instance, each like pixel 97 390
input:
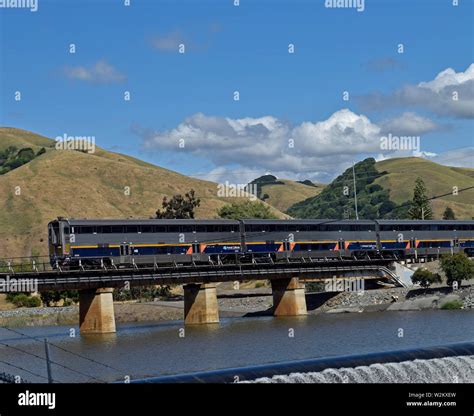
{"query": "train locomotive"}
pixel 133 242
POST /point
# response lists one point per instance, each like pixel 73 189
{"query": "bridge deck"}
pixel 183 274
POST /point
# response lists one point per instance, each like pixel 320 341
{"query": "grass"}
pixel 283 196
pixel 452 305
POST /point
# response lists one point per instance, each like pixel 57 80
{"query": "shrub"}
pixel 452 304
pixel 24 300
pixel 425 278
pixel 457 268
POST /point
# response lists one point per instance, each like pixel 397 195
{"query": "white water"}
pixel 438 370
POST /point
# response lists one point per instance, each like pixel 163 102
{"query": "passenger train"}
pixel 121 243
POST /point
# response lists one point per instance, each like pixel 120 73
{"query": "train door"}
pixel 196 248
pixel 125 253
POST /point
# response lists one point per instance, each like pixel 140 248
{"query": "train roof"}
pixel 408 222
pixel 305 221
pixel 134 221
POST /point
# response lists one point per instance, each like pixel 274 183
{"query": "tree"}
pixel 457 268
pixel 449 214
pixel 425 278
pixel 247 209
pixel 420 206
pixel 179 207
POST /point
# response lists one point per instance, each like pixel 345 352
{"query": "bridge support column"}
pixel 288 297
pixel 200 304
pixel 96 311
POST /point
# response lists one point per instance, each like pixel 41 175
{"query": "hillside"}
pixel 283 193
pixel 383 186
pixel 438 179
pixel 81 185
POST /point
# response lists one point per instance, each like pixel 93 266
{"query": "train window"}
pixel 172 228
pixel 131 228
pixel 159 228
pixel 146 228
pixel 104 229
pixel 116 229
pixel 200 228
pixel 66 230
pixel 85 230
pixel 187 228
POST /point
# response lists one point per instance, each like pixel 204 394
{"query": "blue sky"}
pixel 189 96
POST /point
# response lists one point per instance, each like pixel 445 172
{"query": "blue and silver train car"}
pixel 141 241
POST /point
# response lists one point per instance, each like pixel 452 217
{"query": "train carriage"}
pixel 125 242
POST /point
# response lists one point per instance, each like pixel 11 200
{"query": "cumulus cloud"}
pixel 451 93
pixel 101 73
pixel 409 123
pixel 315 150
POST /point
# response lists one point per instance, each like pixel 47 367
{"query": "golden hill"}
pixel 438 179
pixel 80 185
pixel 282 196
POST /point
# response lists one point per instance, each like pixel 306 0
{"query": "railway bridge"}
pixel 95 286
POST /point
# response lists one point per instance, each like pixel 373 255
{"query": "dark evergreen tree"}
pixel 420 205
pixel 449 214
pixel 179 207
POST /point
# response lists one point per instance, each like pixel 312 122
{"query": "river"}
pixel 141 350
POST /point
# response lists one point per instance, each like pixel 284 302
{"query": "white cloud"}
pixel 101 72
pixel 168 42
pixel 315 150
pixel 409 123
pixel 463 157
pixel 449 94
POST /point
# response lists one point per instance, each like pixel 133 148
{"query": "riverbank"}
pixel 255 302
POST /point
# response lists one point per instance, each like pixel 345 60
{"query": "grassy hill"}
pixel 383 186
pixel 81 185
pixel 283 193
pixel 438 179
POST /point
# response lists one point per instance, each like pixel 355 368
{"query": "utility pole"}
pixel 355 191
pixel 48 362
pixel 422 213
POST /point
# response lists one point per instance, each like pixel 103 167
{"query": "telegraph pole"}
pixel 48 361
pixel 355 191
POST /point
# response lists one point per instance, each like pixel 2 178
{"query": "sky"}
pixel 229 92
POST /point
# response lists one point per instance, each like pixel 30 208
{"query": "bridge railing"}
pixel 25 264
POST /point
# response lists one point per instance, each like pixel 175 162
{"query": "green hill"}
pixel 75 184
pixel 383 186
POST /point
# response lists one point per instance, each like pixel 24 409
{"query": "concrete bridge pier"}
pixel 200 304
pixel 288 297
pixel 96 311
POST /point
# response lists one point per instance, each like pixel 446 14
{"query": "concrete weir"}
pixel 200 304
pixel 288 297
pixel 96 311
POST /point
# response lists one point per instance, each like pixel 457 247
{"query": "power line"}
pixel 52 362
pixel 65 350
pixel 23 369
